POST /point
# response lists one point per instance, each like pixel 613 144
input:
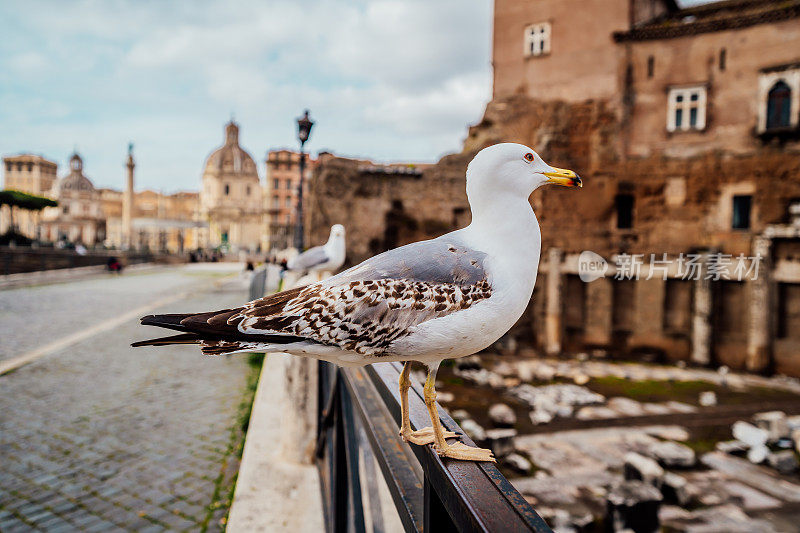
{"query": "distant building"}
pixel 231 198
pixel 32 174
pixel 79 215
pixel 283 176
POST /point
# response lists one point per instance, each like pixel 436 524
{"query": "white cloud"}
pixel 391 79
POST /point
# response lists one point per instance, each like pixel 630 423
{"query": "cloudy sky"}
pixel 387 79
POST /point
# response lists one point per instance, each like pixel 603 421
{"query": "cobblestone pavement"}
pixel 100 436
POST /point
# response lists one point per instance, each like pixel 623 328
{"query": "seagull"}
pixel 326 258
pixel 428 301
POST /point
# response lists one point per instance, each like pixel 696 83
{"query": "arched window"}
pixel 779 104
pixel 227 190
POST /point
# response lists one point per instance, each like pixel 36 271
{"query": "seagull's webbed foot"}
pixel 423 436
pixel 461 451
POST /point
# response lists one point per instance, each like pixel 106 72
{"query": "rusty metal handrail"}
pixel 429 494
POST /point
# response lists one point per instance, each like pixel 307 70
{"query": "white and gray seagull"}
pixel 428 301
pixel 326 258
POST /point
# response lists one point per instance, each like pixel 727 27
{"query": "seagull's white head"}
pixel 337 230
pixel 510 168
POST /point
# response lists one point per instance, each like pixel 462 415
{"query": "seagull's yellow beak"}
pixel 562 176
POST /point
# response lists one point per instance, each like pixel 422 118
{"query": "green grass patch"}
pixel 225 484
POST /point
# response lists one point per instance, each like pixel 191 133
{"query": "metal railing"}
pixel 359 413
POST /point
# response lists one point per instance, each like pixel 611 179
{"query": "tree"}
pixel 23 200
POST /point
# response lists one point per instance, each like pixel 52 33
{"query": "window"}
pixel 276 183
pixel 741 212
pixel 537 39
pixel 276 202
pixel 248 191
pixel 723 59
pixel 779 104
pixel 288 201
pixel 288 185
pixel 227 190
pixel 624 203
pixel 686 109
pixel 651 66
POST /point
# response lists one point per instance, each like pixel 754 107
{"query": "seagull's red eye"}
pixel 529 157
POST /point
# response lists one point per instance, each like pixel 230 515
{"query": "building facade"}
pixel 78 218
pixel 684 123
pixel 283 177
pixel 231 197
pixel 32 174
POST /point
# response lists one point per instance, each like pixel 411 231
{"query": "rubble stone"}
pixel 673 454
pixel 518 463
pixel 474 430
pixel 784 461
pixel 757 454
pixel 595 413
pixel 793 422
pixel 639 467
pixel 539 416
pixel 732 446
pixel 674 489
pixel 796 439
pixel 625 406
pixel 501 441
pixel 460 414
pixel 707 398
pixel 502 415
pixel 774 423
pixel 749 434
pixel 445 397
pixel 633 505
pixel 471 362
pixel 680 407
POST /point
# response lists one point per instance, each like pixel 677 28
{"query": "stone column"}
pixel 758 336
pixel 552 318
pixel 598 312
pixel 649 317
pixel 701 317
pixel 127 203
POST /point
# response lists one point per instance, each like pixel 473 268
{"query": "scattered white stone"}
pixel 445 397
pixel 502 415
pixel 655 409
pixel 504 369
pixel 672 454
pixel 460 414
pixel 473 429
pixel 667 432
pixel 545 373
pixel 595 413
pixel 784 461
pixel 518 462
pixel 793 422
pixel 539 416
pixel 525 370
pixel 708 398
pixel 680 407
pixel 581 379
pixel 749 434
pixel 796 439
pixel 731 446
pixel 480 377
pixel 674 488
pixel 625 406
pixel 757 454
pixel 774 423
pixel 639 467
pixel 501 441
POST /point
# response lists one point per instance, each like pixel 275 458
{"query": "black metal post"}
pixel 298 223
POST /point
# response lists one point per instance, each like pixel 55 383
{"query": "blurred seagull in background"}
pixel 326 258
pixel 428 301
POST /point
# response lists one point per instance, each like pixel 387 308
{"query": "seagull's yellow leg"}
pixel 421 436
pixel 459 450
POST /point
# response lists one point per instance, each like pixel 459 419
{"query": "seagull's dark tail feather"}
pixel 166 321
pixel 184 338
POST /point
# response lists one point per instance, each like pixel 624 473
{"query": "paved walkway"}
pixel 98 436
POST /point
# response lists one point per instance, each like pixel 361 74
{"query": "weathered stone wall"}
pixel 382 208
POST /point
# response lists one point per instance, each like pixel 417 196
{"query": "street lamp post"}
pixel 304 125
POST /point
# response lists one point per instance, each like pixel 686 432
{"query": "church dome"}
pixel 75 180
pixel 230 158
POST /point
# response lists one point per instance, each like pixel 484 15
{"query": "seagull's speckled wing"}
pixel 369 306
